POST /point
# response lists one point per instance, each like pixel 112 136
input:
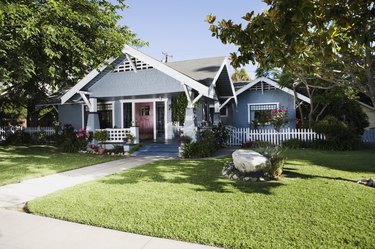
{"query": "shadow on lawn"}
pixel 199 175
pixel 291 173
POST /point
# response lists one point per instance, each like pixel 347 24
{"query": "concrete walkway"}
pixel 25 231
pixel 17 194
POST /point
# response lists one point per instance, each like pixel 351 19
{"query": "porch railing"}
pixel 120 135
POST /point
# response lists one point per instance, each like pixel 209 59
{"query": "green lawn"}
pixel 317 203
pixel 18 163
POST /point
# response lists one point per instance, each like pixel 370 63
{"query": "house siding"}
pixel 71 114
pixel 140 83
pixel 240 112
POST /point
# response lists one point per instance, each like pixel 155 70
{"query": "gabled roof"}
pixel 190 73
pixel 202 70
pixel 272 83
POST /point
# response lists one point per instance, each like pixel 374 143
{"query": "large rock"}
pixel 248 161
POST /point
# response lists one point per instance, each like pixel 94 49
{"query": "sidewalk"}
pixel 17 194
pixel 25 231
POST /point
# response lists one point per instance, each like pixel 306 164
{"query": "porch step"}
pixel 157 149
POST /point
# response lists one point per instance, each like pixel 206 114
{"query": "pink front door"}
pixel 144 116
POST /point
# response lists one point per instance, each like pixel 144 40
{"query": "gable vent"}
pixel 126 66
pixel 261 86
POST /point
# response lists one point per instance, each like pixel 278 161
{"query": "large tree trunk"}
pixel 32 114
pixel 370 75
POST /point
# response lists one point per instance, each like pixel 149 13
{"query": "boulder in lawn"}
pixel 248 161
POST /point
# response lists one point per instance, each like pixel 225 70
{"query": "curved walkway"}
pixel 20 230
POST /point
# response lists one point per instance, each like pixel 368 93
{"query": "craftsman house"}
pixel 136 90
pixel 135 94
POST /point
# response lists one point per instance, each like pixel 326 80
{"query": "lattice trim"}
pixel 126 66
pixel 260 85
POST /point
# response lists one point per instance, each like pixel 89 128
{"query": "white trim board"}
pixel 202 89
pixel 275 84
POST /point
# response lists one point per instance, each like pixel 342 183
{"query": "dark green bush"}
pixel 255 144
pixel 293 144
pixel 71 142
pixel 204 147
pixel 339 136
pixel 19 138
pixel 275 154
pixel 221 135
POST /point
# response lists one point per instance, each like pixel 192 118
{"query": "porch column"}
pixel 190 125
pixel 216 117
pixel 93 117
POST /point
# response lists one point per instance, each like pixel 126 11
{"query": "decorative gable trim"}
pixel 274 84
pixel 127 50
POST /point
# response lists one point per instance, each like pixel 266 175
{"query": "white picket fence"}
pixel 238 136
pixel 5 131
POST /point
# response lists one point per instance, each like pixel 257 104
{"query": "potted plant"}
pixel 101 135
pixel 129 138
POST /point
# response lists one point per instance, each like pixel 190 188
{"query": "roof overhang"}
pixel 127 50
pixel 275 84
pixel 225 64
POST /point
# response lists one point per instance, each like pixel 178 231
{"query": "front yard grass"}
pixel 18 163
pixel 317 203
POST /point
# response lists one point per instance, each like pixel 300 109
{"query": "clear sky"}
pixel 179 27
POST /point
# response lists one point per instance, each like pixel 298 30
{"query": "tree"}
pixel 240 75
pixel 49 44
pixel 323 44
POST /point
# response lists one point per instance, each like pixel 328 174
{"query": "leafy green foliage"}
pixel 275 154
pixel 178 108
pixel 323 44
pixel 338 134
pixel 240 75
pixel 48 45
pixel 204 147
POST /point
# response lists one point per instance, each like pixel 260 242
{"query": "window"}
pixel 224 112
pixel 127 114
pixel 261 113
pixel 144 111
pixel 105 115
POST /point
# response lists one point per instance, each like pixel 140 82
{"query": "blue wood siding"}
pixel 71 114
pixel 240 112
pixel 140 83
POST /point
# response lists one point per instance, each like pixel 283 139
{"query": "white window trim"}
pixel 254 104
pixel 106 102
pixel 150 100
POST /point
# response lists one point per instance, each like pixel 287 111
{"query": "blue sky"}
pixel 179 27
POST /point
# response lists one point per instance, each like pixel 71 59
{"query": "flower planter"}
pixel 128 147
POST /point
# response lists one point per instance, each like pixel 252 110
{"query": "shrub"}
pixel 101 135
pixel 19 137
pixel 293 144
pixel 339 136
pixel 204 147
pixel 255 144
pixel 221 135
pixel 275 154
pixel 73 141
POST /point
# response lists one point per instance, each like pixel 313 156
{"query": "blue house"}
pixel 136 90
pixel 258 98
pixel 135 94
